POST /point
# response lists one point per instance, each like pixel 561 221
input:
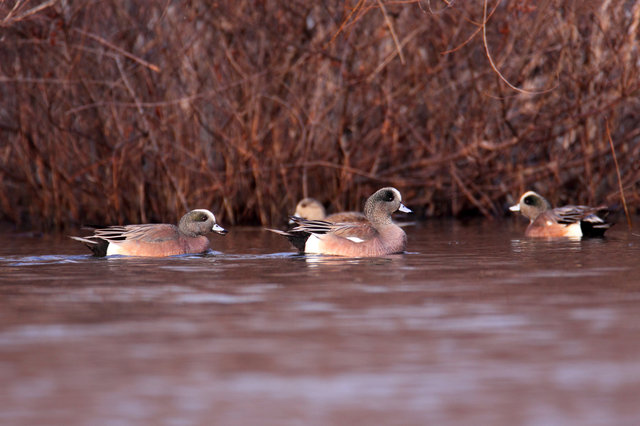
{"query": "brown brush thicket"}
pixel 128 111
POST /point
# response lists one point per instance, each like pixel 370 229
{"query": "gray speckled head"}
pixel 199 222
pixel 531 205
pixel 382 204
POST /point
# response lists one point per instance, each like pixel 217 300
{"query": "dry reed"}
pixel 123 111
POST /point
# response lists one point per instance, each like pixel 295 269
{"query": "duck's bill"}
pixel 515 208
pixel 404 209
pixel 219 229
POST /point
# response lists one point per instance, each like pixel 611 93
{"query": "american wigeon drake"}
pixel 156 240
pixel 567 221
pixel 378 236
pixel 312 209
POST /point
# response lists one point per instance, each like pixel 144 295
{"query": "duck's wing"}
pixel 593 220
pixel 145 232
pixel 356 232
pixel 311 226
pixel 572 214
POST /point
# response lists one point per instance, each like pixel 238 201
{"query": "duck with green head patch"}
pixel 567 221
pixel 156 240
pixel 377 236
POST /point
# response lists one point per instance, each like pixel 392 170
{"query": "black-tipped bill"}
pixel 219 229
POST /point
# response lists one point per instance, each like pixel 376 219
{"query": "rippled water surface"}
pixel 473 325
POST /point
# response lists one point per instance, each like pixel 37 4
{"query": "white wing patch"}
pixel 355 239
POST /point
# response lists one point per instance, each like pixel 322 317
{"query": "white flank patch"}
pixel 355 239
pixel 574 230
pixel 113 249
pixel 313 245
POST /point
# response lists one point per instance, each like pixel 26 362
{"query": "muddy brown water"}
pixel 475 324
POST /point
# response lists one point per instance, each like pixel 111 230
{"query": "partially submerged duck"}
pixel 376 236
pixel 156 240
pixel 567 221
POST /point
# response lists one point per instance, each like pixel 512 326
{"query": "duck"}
pixel 376 236
pixel 157 239
pixel 567 221
pixel 311 209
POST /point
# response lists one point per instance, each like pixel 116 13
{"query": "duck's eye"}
pixel 202 218
pixel 530 200
pixel 388 196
